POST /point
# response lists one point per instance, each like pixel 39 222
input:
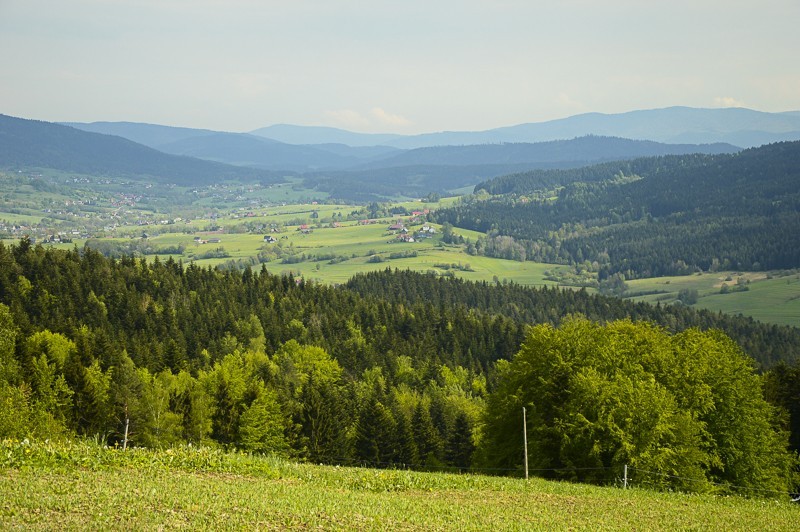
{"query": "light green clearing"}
pixel 772 297
pixel 358 243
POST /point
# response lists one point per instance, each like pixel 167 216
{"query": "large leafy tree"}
pixel 685 410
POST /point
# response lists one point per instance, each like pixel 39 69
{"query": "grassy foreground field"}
pixel 83 486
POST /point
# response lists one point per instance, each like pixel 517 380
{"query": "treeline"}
pixel 393 369
pixel 768 344
pixel 544 179
pixel 649 217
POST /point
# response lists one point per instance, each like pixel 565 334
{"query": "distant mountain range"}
pixel 338 161
pixel 315 149
pixel 674 125
pixel 555 153
pixel 682 125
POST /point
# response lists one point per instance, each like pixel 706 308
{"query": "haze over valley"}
pixel 449 266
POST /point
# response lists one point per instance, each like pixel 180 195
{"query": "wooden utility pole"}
pixel 525 439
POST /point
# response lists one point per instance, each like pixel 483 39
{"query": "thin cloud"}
pixel 565 100
pixel 727 101
pixel 389 119
pixel 348 118
pixel 377 118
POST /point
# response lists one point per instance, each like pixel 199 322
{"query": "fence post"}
pixel 525 439
pixel 625 478
pixel 127 421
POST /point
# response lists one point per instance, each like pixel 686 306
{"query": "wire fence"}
pixel 707 482
pixel 625 477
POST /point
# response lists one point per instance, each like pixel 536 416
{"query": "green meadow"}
pixel 80 486
pixel 360 248
pixel 772 297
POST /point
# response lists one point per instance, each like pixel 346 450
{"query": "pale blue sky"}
pixel 404 66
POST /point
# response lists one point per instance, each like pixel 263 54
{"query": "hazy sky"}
pixel 404 66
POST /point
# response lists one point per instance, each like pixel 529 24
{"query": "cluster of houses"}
pixel 199 240
pixel 60 238
pixel 404 235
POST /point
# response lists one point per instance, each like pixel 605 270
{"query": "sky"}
pixel 401 66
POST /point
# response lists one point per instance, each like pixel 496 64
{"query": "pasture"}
pixel 84 486
pixel 771 297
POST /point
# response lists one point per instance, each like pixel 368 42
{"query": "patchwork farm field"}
pixel 83 486
pixel 328 254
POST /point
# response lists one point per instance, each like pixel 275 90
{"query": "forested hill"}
pixel 553 154
pixel 34 144
pixel 768 344
pixel 544 180
pixel 418 172
pixel 654 216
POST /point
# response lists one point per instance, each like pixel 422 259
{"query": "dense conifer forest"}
pixel 392 369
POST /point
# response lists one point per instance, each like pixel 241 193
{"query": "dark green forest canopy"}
pixel 166 315
pixel 766 343
pixel 655 216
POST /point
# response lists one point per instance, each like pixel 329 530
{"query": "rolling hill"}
pixel 35 144
pixel 242 149
pixel 415 173
pixel 364 172
pixel 557 153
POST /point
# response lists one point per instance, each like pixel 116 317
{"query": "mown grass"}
pixel 84 486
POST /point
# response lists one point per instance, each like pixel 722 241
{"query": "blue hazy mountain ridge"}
pixel 35 144
pixel 682 125
pixel 292 134
pixel 252 150
pixel 240 149
pixel 248 150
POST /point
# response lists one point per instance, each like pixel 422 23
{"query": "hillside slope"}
pixel 34 144
pixel 655 216
pixel 558 153
pixel 440 169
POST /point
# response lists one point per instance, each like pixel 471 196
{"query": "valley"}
pixel 398 317
pixel 399 265
pixel 228 225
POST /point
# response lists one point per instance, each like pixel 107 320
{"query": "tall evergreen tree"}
pixel 460 447
pixel 376 435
